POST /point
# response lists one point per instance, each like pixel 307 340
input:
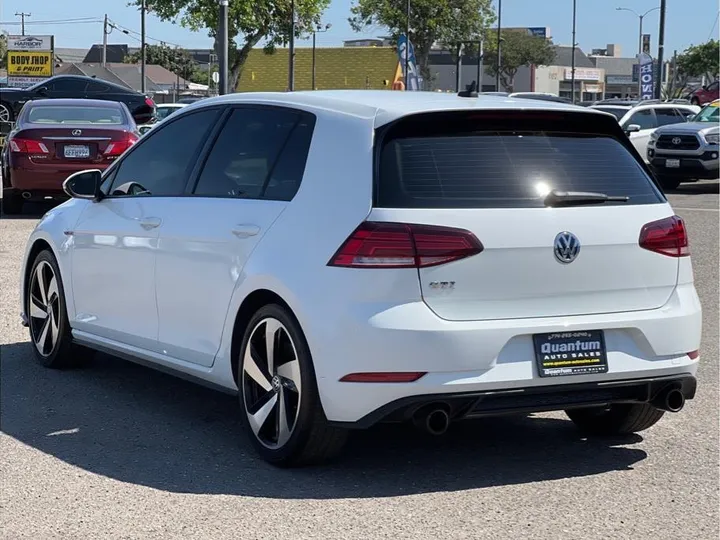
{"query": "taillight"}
pixel 693 355
pixel 116 148
pixel 403 245
pixel 149 102
pixel 27 146
pixel 667 236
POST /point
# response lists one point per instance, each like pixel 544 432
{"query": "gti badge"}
pixel 77 132
pixel 567 247
pixel 438 285
pixel 676 140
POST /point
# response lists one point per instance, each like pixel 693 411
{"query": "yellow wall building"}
pixel 336 68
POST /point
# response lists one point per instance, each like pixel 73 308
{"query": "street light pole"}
pixel 661 50
pixel 223 48
pixel 640 51
pixel 499 45
pixel 143 53
pixel 572 61
pixel 315 32
pixel 291 49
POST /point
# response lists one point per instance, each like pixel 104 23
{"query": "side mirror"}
pixel 42 91
pixel 632 128
pixel 689 117
pixel 84 184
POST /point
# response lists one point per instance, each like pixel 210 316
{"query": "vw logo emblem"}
pixel 567 247
pixel 676 140
pixel 77 132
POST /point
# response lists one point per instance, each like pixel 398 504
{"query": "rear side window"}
pixel 260 153
pixel 504 169
pixel 668 116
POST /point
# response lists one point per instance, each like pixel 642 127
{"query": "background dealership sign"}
pixel 647 79
pixel 30 60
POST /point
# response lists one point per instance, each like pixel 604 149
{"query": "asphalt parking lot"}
pixel 115 450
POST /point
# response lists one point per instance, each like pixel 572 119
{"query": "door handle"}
pixel 245 231
pixel 150 223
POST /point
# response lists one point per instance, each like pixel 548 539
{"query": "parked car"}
pixel 53 138
pixel 337 282
pixel 639 119
pixel 163 110
pixel 12 100
pixel 706 94
pixel 687 152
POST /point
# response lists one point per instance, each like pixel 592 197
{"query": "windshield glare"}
pixel 711 113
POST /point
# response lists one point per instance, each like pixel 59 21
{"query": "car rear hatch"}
pixel 487 176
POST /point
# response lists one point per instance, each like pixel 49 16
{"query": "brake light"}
pixel 667 236
pixel 149 102
pixel 404 245
pixel 28 146
pixel 693 355
pixel 116 148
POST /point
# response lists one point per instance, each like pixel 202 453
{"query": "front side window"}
pixel 645 119
pixel 161 163
pixel 259 151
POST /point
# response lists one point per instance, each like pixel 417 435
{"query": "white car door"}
pixel 645 118
pixel 115 241
pixel 253 168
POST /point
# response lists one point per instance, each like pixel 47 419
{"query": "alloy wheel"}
pixel 4 114
pixel 44 309
pixel 271 383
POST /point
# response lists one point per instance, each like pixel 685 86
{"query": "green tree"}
pixel 695 61
pixel 176 60
pixel 3 50
pixel 517 49
pixel 249 23
pixel 432 22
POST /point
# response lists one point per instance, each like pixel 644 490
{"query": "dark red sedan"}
pixel 54 138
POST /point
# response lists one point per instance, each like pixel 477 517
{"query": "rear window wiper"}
pixel 579 198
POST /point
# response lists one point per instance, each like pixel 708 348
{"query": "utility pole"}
pixel 317 30
pixel 661 50
pixel 105 35
pixel 499 45
pixel 458 67
pixel 572 61
pixel 407 46
pixel 291 49
pixel 143 52
pixel 22 20
pixel 223 48
pixel 481 53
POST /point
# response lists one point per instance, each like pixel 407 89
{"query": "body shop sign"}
pixel 29 64
pixel 30 59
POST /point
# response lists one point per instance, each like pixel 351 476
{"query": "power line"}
pixel 713 26
pixel 55 21
pixel 128 31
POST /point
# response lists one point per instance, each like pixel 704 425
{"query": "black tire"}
pixel 12 204
pixel 312 439
pixel 619 419
pixel 63 353
pixel 669 183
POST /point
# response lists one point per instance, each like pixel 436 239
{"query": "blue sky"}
pixel 598 23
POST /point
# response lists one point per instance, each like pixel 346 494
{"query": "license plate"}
pixel 570 353
pixel 672 163
pixel 76 151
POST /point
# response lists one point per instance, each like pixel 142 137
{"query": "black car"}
pixel 12 100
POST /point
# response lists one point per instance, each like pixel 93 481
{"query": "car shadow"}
pixel 699 188
pixel 137 425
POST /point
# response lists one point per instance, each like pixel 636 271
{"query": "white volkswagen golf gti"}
pixel 344 258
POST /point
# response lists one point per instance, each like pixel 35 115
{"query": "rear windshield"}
pixel 505 170
pixel 57 114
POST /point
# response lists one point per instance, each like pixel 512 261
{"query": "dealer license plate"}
pixel 76 151
pixel 672 163
pixel 570 353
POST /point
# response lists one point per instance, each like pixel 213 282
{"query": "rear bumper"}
pixel 529 399
pixel 474 357
pixel 47 179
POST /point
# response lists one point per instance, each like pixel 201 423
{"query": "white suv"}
pixel 641 119
pixel 350 257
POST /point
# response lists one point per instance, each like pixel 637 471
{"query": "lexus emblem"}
pixel 567 247
pixel 77 132
pixel 676 140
